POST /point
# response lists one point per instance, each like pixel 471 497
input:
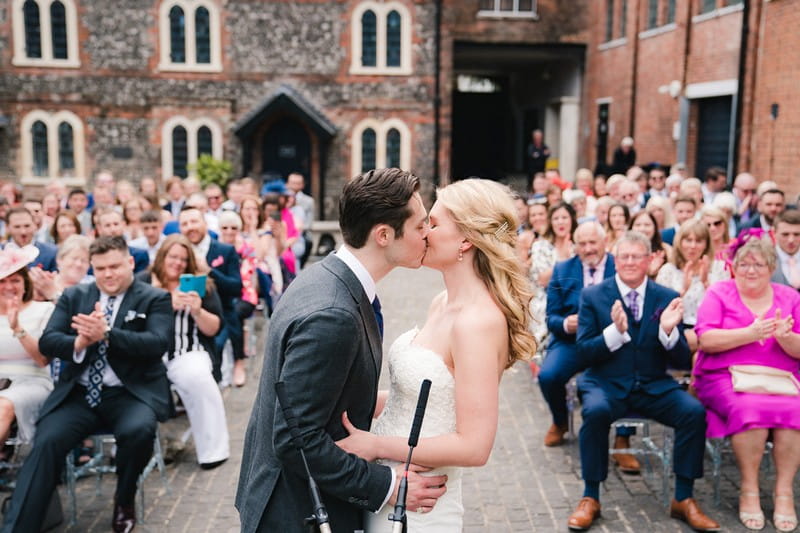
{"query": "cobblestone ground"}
pixel 524 487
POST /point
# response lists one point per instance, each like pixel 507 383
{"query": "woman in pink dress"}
pixel 750 321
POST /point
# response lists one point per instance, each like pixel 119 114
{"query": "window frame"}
pixel 192 127
pixel 381 131
pixel 190 37
pixel 381 11
pixel 52 120
pixel 513 13
pixel 48 59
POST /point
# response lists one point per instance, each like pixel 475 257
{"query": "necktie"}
pixel 95 385
pixel 794 275
pixel 376 306
pixel 633 304
pixel 592 272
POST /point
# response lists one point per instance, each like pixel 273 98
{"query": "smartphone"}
pixel 275 215
pixel 190 282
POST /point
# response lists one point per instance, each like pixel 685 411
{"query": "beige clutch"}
pixel 758 379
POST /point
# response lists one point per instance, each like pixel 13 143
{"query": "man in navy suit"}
pixel 626 352
pixel 684 209
pixel 110 223
pixel 223 265
pixel 771 203
pixel 21 230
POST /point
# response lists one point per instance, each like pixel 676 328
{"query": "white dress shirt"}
pixel 110 378
pixel 615 339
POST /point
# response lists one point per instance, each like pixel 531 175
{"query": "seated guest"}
pixel 661 209
pixel 110 223
pixel 617 224
pixel 73 268
pixel 629 333
pixel 589 267
pixel 717 223
pixel 689 272
pixel 176 196
pixel 684 209
pixel 645 223
pixel 64 225
pixel 152 236
pixel 750 321
pixel 197 320
pixel 787 237
pixel 21 230
pixel 132 215
pixel 22 321
pixel 771 203
pixel 113 333
pixel 78 204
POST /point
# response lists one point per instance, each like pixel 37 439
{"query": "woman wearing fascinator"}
pixel 475 329
pixel 24 378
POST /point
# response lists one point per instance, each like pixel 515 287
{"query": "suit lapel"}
pixel 131 295
pixel 647 312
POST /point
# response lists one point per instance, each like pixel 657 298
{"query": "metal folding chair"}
pixel 649 448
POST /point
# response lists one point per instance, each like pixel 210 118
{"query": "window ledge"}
pixel 652 32
pixel 492 14
pixel 616 43
pixel 190 67
pixel 717 13
pixel 380 71
pixel 47 63
pixel 44 180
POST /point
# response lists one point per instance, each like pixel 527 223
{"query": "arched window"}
pixel 189 36
pixel 381 38
pixel 45 33
pixel 33 29
pixel 393 148
pixel 177 35
pixel 58 29
pixel 393 39
pixel 205 141
pixel 369 39
pixel 180 152
pixel 66 148
pixel 368 149
pixel 41 163
pixel 202 35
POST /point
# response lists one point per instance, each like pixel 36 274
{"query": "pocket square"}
pixel 217 262
pixel 133 315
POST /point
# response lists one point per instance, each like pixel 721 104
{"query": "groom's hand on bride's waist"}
pixel 423 491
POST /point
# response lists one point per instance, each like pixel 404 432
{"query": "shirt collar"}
pixel 359 270
pixel 784 257
pixel 624 289
pixel 204 245
pixel 599 267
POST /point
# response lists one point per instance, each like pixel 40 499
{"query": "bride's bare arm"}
pixel 380 402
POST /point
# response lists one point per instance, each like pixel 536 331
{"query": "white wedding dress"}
pixel 408 366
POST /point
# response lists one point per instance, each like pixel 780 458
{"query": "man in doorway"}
pixel 536 156
pixel 714 182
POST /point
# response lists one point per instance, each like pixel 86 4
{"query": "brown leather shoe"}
pixel 626 462
pixel 555 435
pixel 688 511
pixel 587 512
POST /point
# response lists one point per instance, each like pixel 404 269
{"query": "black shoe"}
pixel 124 518
pixel 211 466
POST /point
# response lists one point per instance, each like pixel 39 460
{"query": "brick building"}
pixel 692 83
pixel 142 87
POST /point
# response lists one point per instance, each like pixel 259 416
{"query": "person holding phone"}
pixel 188 359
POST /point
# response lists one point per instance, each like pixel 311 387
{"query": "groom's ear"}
pixel 382 234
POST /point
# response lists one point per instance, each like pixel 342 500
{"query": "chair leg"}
pixel 666 467
pixel 69 473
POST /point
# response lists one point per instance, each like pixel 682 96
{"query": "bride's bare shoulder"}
pixel 438 302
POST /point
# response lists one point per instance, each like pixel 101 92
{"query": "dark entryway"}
pixel 285 148
pixel 713 133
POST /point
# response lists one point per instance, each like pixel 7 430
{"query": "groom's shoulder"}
pixel 319 287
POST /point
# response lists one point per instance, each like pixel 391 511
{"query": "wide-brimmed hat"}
pixel 14 259
pixel 276 186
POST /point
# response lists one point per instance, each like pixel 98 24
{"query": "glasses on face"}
pixel 234 228
pixel 744 267
pixel 179 258
pixel 214 197
pixel 715 223
pixel 630 258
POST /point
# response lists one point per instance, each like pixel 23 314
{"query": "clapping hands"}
pixel 778 327
pixel 619 317
pixel 91 328
pixel 672 315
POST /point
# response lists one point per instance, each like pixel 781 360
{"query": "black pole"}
pixel 437 87
pixel 737 134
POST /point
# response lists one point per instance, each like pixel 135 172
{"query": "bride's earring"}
pixel 460 255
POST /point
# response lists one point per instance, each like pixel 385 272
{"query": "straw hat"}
pixel 14 259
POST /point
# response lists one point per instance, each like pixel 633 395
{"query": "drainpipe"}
pixel 437 87
pixel 740 91
pixel 635 69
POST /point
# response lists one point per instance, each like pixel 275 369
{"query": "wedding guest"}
pixel 176 196
pixel 111 224
pixel 616 224
pixel 27 381
pixel 250 211
pixel 787 239
pixel 750 321
pixel 525 235
pixel 726 202
pixel 645 223
pixel 132 215
pixel 661 209
pixel 599 186
pixel 771 203
pixel 148 187
pixel 34 207
pixel 717 224
pixel 188 359
pixel 601 210
pixel 537 218
pixel 684 208
pixel 73 268
pixel 673 185
pixel 693 188
pixel 21 228
pixel 292 234
pixel 553 195
pixel 78 202
pixel 577 199
pixel 152 233
pixel 626 349
pixel 65 225
pixel 124 192
pixel 234 191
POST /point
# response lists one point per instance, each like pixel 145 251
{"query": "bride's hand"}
pixel 361 443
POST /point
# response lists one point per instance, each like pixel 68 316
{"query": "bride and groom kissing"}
pixel 324 344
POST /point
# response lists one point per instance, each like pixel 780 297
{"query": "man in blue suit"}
pixel 21 230
pixel 223 265
pixel 684 209
pixel 590 267
pixel 626 349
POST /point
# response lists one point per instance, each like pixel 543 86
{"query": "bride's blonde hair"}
pixel 484 211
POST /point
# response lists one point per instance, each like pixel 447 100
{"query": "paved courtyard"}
pixel 524 487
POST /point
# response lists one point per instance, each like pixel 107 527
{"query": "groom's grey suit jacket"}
pixel 324 344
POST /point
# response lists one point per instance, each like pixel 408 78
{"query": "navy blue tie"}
pixel 376 306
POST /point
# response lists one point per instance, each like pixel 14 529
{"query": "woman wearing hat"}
pixel 23 369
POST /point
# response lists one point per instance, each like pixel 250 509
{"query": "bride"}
pixel 475 329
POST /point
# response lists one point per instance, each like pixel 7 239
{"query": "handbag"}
pixel 759 379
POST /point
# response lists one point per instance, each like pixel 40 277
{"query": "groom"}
pixel 325 344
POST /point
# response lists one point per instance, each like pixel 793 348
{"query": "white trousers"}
pixel 190 374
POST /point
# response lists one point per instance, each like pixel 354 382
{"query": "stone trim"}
pixel 51 120
pixel 165 63
pixel 608 45
pixel 191 127
pixel 719 12
pixel 381 129
pixel 381 11
pixel 20 59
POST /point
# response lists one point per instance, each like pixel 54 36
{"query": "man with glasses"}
pixel 626 352
pixel 657 179
pixel 215 198
pixel 744 190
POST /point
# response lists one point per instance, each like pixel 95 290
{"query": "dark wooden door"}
pixel 713 133
pixel 286 148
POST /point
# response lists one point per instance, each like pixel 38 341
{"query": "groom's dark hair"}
pixel 379 196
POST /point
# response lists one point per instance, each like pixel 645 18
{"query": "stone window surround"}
pixel 514 12
pixel 52 120
pixel 381 130
pixel 165 63
pixel 20 59
pixel 191 126
pixel 381 11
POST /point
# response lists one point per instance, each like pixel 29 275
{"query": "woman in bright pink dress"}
pixel 750 321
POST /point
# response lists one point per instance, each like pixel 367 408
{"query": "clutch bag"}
pixel 759 379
